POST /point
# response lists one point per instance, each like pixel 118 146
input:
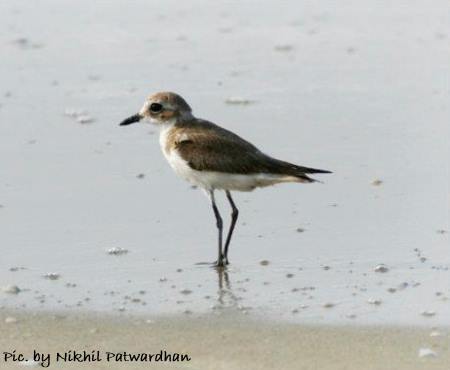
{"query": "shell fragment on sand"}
pixel 427 353
pixel 117 251
pixel 11 289
pixel 381 268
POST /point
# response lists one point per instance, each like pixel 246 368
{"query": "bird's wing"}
pixel 215 149
pixel 208 147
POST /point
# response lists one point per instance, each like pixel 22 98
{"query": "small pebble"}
pixel 117 251
pixel 328 305
pixel 10 320
pixel 427 353
pixel 374 301
pixel 80 116
pixel 22 41
pixel 11 289
pixel 52 276
pixel 377 182
pixel 15 269
pixel 264 262
pixel 428 313
pixel 83 119
pixel 235 100
pixel 381 268
pixel 435 333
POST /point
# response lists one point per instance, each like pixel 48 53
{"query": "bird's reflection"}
pixel 225 296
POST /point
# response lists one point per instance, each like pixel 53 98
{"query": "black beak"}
pixel 135 118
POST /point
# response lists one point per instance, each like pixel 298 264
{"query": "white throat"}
pixel 164 129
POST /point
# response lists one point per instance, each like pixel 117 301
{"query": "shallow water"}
pixel 361 90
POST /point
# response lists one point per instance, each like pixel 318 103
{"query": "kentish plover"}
pixel 212 157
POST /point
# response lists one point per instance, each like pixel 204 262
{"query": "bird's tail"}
pixel 294 172
pixel 312 170
pixel 299 172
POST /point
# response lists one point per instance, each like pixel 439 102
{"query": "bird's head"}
pixel 161 108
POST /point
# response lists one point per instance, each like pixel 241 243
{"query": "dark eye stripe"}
pixel 156 107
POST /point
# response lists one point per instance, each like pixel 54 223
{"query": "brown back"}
pixel 208 147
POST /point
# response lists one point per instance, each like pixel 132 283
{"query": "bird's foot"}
pixel 213 264
pixel 221 262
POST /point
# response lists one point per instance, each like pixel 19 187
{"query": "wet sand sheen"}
pixel 224 343
pixel 92 217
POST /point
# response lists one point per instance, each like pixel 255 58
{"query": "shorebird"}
pixel 214 158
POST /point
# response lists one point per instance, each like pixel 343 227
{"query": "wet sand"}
pixel 358 89
pixel 224 343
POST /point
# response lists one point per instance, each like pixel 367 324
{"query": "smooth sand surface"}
pixel 223 343
pixel 357 88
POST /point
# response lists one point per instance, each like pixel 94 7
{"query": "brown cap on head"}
pixel 170 99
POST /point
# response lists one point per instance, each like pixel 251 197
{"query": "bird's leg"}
pixel 234 217
pixel 219 227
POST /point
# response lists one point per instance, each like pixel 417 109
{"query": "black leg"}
pixel 234 217
pixel 219 227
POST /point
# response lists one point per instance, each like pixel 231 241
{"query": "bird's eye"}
pixel 156 107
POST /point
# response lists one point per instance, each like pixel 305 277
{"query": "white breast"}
pixel 178 164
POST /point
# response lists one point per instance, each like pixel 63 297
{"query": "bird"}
pixel 214 158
